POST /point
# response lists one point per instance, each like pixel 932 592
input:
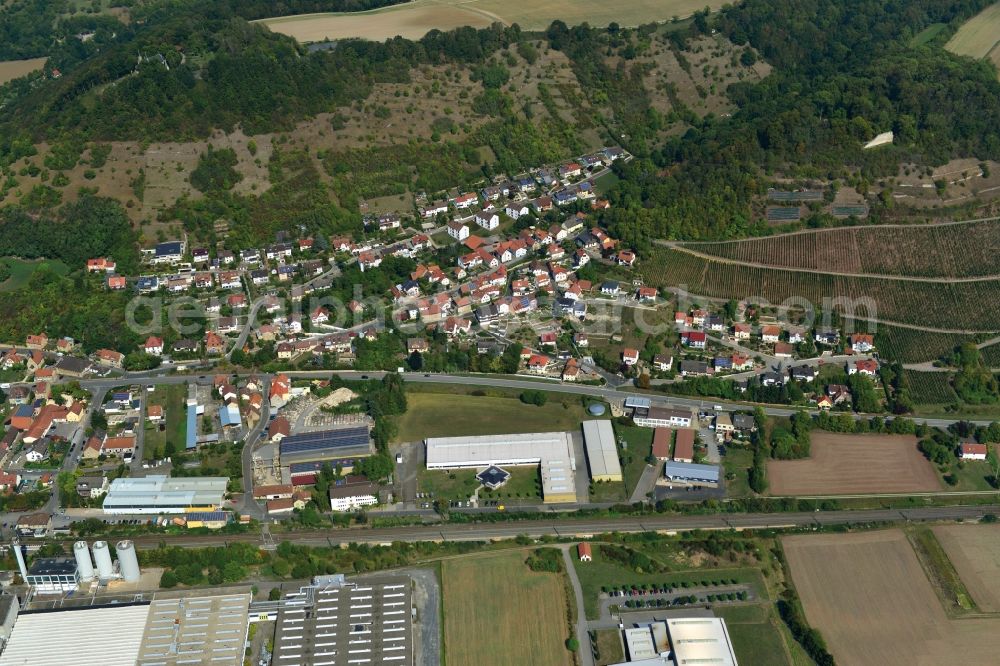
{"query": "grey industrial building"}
pixel 691 473
pixel 162 494
pixel 365 622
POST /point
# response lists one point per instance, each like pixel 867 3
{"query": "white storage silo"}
pixel 102 557
pixel 128 562
pixel 84 565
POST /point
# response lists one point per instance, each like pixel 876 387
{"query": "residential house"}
pixel 215 345
pixel 770 333
pixel 153 346
pixel 538 363
pixel 862 343
pixel 972 451
pixel 868 367
pixel 487 220
pixel 694 339
pixel 110 357
pixel 610 288
pixel 663 362
pixel 741 331
pixel 630 356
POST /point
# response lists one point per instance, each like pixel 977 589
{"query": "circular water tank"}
pixel 84 565
pixel 596 409
pixel 102 557
pixel 128 563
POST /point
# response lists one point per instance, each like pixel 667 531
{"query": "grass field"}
pixel 445 415
pixel 13 69
pixel 974 551
pixel 942 305
pixel 927 34
pixel 22 270
pixel 524 483
pixel 173 398
pixel 414 19
pixel 756 635
pixel 941 573
pixel 497 612
pixel 869 597
pixel 640 445
pixel 978 36
pixel 738 462
pixel 844 464
pixel 609 647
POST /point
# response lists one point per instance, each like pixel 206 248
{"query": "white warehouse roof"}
pixel 160 493
pixel 106 636
pixel 701 640
pixel 552 451
pixel 599 439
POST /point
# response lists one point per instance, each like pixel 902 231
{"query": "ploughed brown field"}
pixel 974 551
pixel 846 464
pixel 869 597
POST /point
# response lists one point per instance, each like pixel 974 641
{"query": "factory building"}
pixel 335 621
pixel 174 628
pixel 162 494
pixel 602 453
pixel 691 474
pixel 341 445
pixel 644 414
pixel 552 451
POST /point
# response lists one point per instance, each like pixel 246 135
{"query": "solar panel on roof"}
pixel 325 439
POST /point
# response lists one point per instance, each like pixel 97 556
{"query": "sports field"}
pixel 414 19
pixel 870 599
pixel 978 37
pixel 974 550
pixel 845 464
pixel 497 612
pixel 12 69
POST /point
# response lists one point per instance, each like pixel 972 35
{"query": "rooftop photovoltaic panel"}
pixel 783 213
pixel 804 195
pixel 325 439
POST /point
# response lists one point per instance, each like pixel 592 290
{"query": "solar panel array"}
pixel 783 213
pixel 804 195
pixel 844 211
pixel 208 516
pixel 342 438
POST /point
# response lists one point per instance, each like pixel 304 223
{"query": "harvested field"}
pixel 497 612
pixel 939 305
pixel 13 69
pixel 974 550
pixel 948 250
pixel 845 464
pixel 870 599
pixel 978 35
pixel 415 19
pixel 411 21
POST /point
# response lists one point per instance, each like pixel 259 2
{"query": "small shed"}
pixel 583 552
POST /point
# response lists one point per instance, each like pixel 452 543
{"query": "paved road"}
pixel 570 527
pixel 586 652
pixel 249 505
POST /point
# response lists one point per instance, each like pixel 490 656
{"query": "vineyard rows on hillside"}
pixel 958 250
pixel 965 306
pixel 930 388
pixel 910 345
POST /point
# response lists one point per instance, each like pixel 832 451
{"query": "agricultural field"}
pixel 911 345
pixel 943 250
pixel 974 550
pixel 756 634
pixel 942 305
pixel 447 415
pixel 414 19
pixel 979 36
pixel 845 464
pixel 14 69
pixel 869 597
pixel 930 388
pixel 497 612
pixel 991 355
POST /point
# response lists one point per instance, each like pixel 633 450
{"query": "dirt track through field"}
pixel 869 597
pixel 974 550
pixel 847 464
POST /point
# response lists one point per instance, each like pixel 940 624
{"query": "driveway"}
pixel 647 482
pixel 586 651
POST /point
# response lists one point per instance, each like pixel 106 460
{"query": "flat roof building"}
pixel 692 474
pixel 602 453
pixel 701 640
pixel 54 574
pixel 326 445
pixel 662 417
pixel 334 621
pixel 162 494
pixel 551 451
pixel 185 629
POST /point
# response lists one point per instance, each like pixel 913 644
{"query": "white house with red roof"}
pixel 153 346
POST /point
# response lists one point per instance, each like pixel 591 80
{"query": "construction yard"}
pixel 870 598
pixel 845 464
